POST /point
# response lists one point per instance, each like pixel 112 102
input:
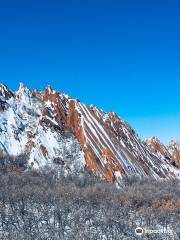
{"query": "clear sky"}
pixel 123 56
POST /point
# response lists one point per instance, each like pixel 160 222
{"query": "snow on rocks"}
pixel 58 131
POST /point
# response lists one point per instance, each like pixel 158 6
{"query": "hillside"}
pixel 55 130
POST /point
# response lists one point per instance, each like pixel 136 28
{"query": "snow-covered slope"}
pixel 56 130
pixel 24 128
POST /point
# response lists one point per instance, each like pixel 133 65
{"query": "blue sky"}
pixel 123 56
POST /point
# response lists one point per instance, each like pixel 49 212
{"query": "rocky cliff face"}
pixel 56 130
pixel 170 152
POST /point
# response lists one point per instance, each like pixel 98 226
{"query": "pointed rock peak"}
pixel 50 95
pixel 174 144
pixel 3 86
pixel 154 139
pixel 49 90
pixel 24 94
pixel 23 91
pixel 5 92
pixel 22 88
pixel 155 144
pixel 93 107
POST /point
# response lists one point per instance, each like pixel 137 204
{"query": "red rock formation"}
pixel 1 152
pixel 106 140
pixel 174 149
pixel 92 164
pixel 29 134
pixel 110 146
pixel 44 151
pixel 53 98
pixel 112 165
pixel 74 122
pixel 155 144
pixel 171 153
